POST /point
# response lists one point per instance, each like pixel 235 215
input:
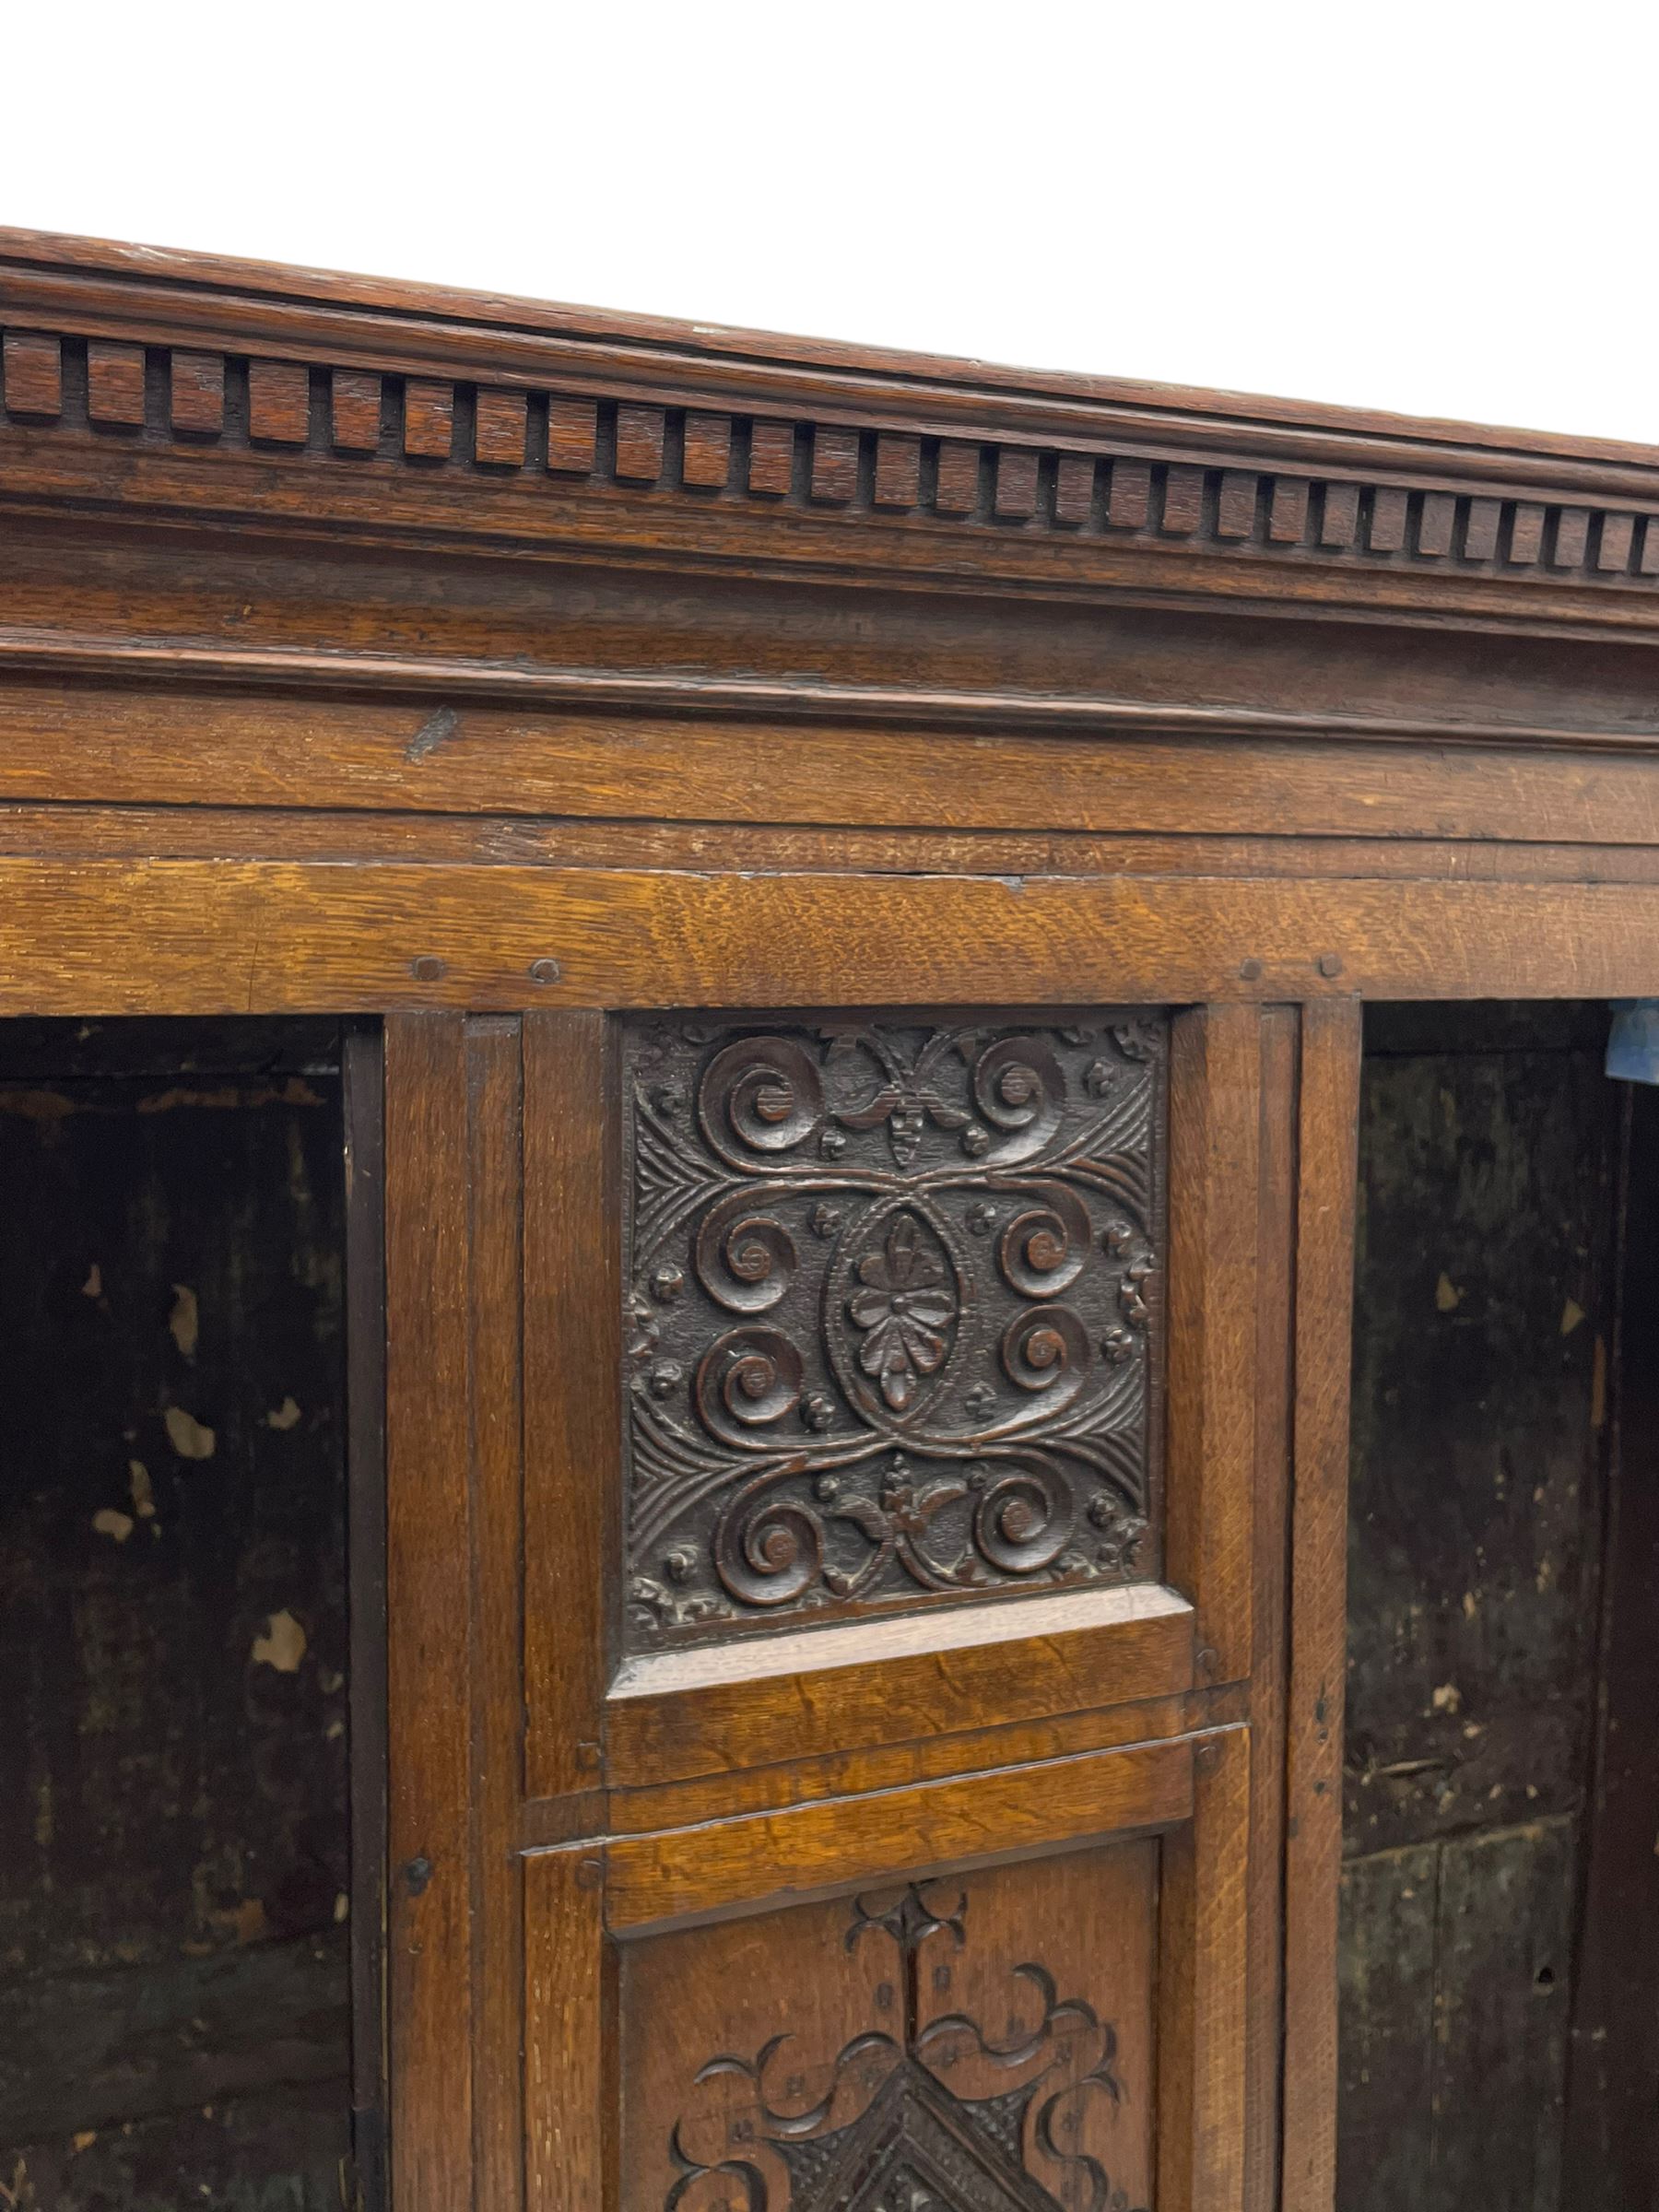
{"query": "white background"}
pixel 1444 209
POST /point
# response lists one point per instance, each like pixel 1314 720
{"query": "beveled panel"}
pixel 980 2042
pixel 893 1319
pixel 717 1708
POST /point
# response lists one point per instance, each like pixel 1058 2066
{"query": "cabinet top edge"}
pixel 167 385
pixel 303 292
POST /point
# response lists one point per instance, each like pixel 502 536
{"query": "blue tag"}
pixel 1633 1043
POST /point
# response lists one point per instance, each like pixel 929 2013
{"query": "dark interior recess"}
pixel 1500 2015
pixel 174 1832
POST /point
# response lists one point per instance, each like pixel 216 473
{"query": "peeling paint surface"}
pixel 184 1322
pixel 173 1809
pixel 282 1646
pixel 189 1439
pixel 1484 1294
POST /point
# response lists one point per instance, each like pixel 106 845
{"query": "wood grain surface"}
pixel 273 936
pixel 1328 1120
pixel 429 1538
pixel 1215 1138
pixel 705 1871
pixel 705 1710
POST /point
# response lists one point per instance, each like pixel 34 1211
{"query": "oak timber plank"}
pixel 897 1765
pixel 1214 1139
pixel 712 1709
pixel 495 1183
pixel 572 1403
pixel 72 830
pixel 272 936
pixel 138 743
pixel 430 1660
pixel 1204 1976
pixel 799 1852
pixel 570 2032
pixel 1328 1120
pixel 1276 1236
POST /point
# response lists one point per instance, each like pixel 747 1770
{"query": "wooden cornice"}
pixel 66 657
pixel 175 385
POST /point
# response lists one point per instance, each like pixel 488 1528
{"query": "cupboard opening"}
pixel 1499 2040
pixel 192 1623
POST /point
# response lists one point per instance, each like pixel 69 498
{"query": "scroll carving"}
pixel 894 1315
pixel 886 2133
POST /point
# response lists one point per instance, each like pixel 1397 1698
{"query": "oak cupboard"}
pixel 853 912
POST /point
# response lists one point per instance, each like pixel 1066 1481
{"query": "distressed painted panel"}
pixel 173 1847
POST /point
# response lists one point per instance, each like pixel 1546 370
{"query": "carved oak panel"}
pixel 967 2044
pixel 894 1301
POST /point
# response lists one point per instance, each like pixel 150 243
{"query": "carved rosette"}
pixel 894 1315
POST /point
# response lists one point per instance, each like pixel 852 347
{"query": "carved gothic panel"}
pixel 894 1314
pixel 969 2044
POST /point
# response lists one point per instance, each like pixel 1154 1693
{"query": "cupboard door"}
pixel 873 1425
pixel 889 2020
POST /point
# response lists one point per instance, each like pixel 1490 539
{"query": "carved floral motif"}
pixel 893 1314
pixel 885 2134
pixel 905 1304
